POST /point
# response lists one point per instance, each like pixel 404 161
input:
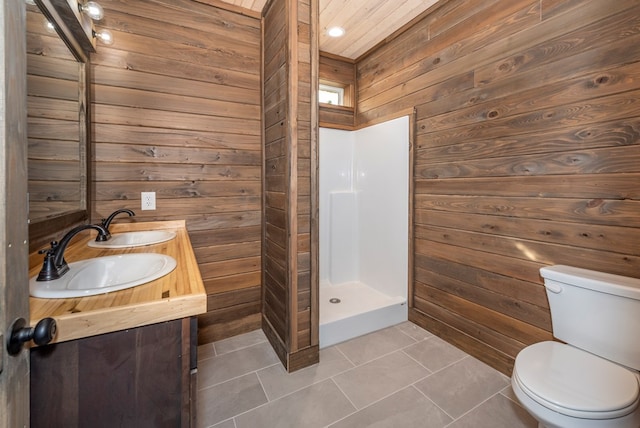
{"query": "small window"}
pixel 331 95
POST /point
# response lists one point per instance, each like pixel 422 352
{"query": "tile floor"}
pixel 400 377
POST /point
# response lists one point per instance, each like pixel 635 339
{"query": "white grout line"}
pixel 348 399
pixel 315 382
pixel 397 327
pixel 270 402
pixel 434 403
pixel 472 409
pixel 518 403
pixel 208 345
pixel 238 377
pixel 345 355
pixel 248 410
pixel 420 364
pixel 264 390
pixel 220 422
pixel 218 353
pixel 429 398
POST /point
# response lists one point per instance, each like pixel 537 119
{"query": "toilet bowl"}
pixel 565 387
pixel 592 380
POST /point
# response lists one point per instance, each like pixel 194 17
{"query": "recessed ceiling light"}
pixel 335 31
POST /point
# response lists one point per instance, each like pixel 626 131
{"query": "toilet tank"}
pixel 595 311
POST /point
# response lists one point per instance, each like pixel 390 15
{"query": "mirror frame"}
pixel 76 30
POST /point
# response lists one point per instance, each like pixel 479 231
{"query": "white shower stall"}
pixel 364 204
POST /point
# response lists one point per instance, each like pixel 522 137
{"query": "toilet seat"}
pixel 576 383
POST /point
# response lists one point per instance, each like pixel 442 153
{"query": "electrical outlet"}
pixel 148 200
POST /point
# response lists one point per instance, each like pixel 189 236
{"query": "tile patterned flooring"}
pixel 400 377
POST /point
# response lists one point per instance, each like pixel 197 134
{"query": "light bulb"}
pixel 48 26
pixel 92 9
pixel 104 36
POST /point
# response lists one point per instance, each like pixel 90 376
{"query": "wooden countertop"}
pixel 179 294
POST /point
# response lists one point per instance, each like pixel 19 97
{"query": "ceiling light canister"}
pixel 335 31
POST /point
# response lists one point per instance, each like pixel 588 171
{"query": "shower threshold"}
pixel 361 309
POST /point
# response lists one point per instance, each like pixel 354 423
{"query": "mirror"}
pixel 57 125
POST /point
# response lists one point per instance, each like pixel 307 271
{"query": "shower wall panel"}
pixel 364 206
pixel 336 160
pixel 382 180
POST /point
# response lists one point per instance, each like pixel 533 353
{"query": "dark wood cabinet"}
pixel 139 377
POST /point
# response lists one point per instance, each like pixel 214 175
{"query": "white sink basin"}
pixel 103 275
pixel 135 239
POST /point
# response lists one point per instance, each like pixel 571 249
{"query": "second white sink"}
pixel 103 275
pixel 135 239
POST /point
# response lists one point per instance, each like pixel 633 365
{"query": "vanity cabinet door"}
pixel 139 377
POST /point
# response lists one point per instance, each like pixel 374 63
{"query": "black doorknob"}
pixel 20 333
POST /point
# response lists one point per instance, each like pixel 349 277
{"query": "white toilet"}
pixel 593 380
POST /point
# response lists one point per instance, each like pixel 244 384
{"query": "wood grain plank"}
pixel 591 211
pixel 595 186
pixel 584 235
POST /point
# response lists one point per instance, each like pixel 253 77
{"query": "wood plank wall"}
pixel 176 110
pixel 277 204
pixel 338 71
pixel 307 318
pixel 527 154
pixel 289 308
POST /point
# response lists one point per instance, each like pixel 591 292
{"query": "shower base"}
pixel 362 309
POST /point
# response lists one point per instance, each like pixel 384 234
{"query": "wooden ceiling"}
pixel 367 22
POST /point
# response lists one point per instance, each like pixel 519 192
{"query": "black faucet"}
pixel 106 222
pixel 54 265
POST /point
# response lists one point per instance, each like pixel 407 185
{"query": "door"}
pixel 14 292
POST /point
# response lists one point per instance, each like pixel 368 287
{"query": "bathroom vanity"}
pixel 126 358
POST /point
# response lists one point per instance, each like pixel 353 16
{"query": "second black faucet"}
pixel 106 222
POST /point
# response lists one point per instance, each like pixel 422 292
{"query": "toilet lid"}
pixel 576 383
